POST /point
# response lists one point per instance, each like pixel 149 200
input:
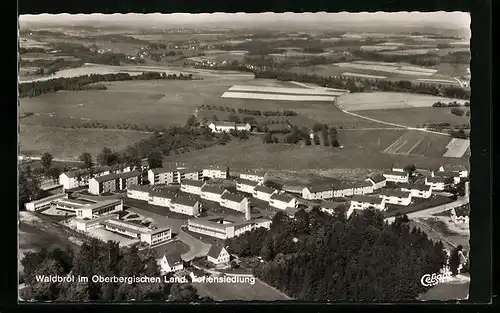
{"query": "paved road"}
pixel 197 247
pixel 431 211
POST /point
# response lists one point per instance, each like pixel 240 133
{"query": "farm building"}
pixel 397 177
pixel 224 127
pixel 332 207
pixel 216 172
pixel 185 205
pixel 219 227
pixel 461 214
pixel 282 201
pixel 161 197
pixel 246 185
pixel 99 208
pixel 395 197
pixel 264 193
pixel 378 181
pixel 143 233
pixel 218 255
pixel 317 192
pixel 170 263
pixel 44 203
pixel 436 183
pixel 212 193
pixel 234 202
pixel 259 177
pixel 362 202
pixel 192 186
pixel 417 190
pixel 139 192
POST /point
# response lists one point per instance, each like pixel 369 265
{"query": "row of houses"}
pixel 114 182
pixel 217 255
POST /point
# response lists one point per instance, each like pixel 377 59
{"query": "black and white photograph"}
pixel 198 158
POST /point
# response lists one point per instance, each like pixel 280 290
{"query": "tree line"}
pixel 249 111
pixel 36 88
pixel 95 258
pixel 453 104
pixel 317 256
pixel 364 85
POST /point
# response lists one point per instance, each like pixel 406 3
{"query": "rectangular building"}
pixel 362 188
pixel 218 255
pixel 192 186
pixel 164 175
pixel 362 202
pixel 396 197
pixel 436 183
pixel 245 185
pixel 44 203
pixel 318 192
pixel 263 193
pixel 378 181
pixel 212 193
pixel 234 202
pixel 259 177
pixel 397 177
pixel 170 263
pixel 282 201
pixel 185 205
pixel 139 192
pixel 343 190
pixel 188 173
pixel 219 227
pixel 451 176
pixel 417 190
pixel 131 178
pixel 100 208
pixel 161 198
pixel 216 172
pixel 145 234
pixel 103 184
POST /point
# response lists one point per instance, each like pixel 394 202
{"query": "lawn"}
pixel 67 143
pixel 388 100
pixel 362 149
pixel 174 247
pixel 414 117
pixel 239 291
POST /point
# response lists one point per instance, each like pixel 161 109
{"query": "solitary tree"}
pixel 191 121
pixel 155 159
pixel 46 160
pixel 86 159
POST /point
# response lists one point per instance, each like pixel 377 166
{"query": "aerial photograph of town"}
pixel 244 157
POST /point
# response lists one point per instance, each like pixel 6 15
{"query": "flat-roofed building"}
pixel 245 185
pixel 212 193
pixel 282 201
pixel 192 186
pixel 185 205
pixel 219 227
pixel 164 175
pixel 264 193
pixel 396 197
pixel 317 192
pixel 397 177
pixel 100 208
pixel 216 172
pixel 144 234
pixel 139 192
pixel 44 203
pixel 378 181
pixel 417 190
pixel 71 205
pixel 234 202
pixel 88 224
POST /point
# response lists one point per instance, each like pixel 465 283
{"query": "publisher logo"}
pixel 429 280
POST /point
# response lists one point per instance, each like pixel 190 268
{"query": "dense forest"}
pixel 365 85
pixel 36 88
pixel 103 259
pixel 316 256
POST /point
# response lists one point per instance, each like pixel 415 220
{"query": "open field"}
pixel 279 97
pixel 349 74
pixel 419 143
pixel 241 291
pixel 362 149
pixel 456 148
pixel 409 51
pixel 67 143
pixel 416 116
pixel 294 91
pixel 388 100
pixel 378 48
pixel 387 67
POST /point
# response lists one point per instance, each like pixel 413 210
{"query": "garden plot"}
pixel 405 144
pixel 456 148
pixel 417 143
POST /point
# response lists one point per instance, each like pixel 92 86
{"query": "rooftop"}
pixel 107 177
pixel 367 199
pixel 101 204
pixel 291 210
pixel 377 178
pixel 229 124
pixel 192 182
pixel 420 187
pixel 394 173
pixel 213 189
pixel 282 197
pixel 331 204
pixel 435 179
pixel 215 251
pixel 173 259
pixel 130 174
pixel 319 188
pixel 142 188
pixel 247 182
pixel 264 189
pixel 446 174
pixel 232 197
pixel 184 201
pixel 167 194
pixel 395 193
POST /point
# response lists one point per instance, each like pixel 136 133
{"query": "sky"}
pixel 432 19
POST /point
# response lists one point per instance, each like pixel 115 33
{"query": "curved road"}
pixel 431 211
